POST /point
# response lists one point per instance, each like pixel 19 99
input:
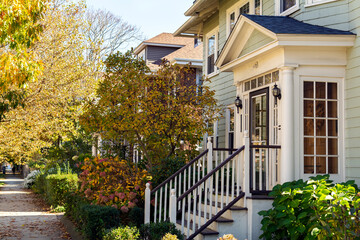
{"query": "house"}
pixel 293 67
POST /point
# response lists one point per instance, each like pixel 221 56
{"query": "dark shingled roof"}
pixel 288 25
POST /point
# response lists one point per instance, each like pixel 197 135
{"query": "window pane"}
pixel 333 165
pixel 231 127
pixel 309 127
pixel 286 4
pixel 320 109
pixel 320 146
pixel 275 76
pixel 245 9
pixel 320 127
pixel 232 21
pixel 320 90
pixel 308 90
pixel 332 91
pixel 267 78
pixel 332 109
pixel 260 81
pixel 308 145
pixel 211 45
pixel 257 7
pixel 321 165
pixel 332 146
pixel 332 128
pixel 247 86
pixel 308 108
pixel 211 64
pixel 253 83
pixel 309 165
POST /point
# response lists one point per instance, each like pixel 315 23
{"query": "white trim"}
pixel 310 3
pixel 287 11
pixel 213 32
pixel 340 104
pixel 145 44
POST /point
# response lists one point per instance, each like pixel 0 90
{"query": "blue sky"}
pixel 151 16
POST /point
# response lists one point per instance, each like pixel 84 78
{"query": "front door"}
pixel 259 140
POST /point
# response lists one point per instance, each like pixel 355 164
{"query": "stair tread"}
pixel 219 219
pixel 237 208
pixel 206 231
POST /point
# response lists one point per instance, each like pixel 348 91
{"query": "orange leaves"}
pixel 112 182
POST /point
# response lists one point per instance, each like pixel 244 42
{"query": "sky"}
pixel 151 16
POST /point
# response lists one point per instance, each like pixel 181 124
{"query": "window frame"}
pixel 214 32
pixel 228 122
pixel 309 3
pixel 236 9
pixel 287 11
pixel 339 176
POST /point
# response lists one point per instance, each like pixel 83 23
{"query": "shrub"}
pixel 58 186
pixel 313 209
pixel 30 179
pixel 169 236
pixel 156 231
pixel 227 237
pixel 39 185
pixel 113 182
pixel 96 219
pixel 165 169
pixel 123 233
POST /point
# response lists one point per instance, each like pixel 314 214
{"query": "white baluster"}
pixel 156 200
pixel 147 203
pixel 165 201
pixel 245 186
pixel 172 206
pixel 160 207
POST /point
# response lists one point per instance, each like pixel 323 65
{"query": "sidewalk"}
pixel 24 216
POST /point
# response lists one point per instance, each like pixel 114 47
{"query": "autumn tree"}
pixel 52 104
pixel 156 112
pixel 20 27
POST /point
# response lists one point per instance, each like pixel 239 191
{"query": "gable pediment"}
pixel 246 37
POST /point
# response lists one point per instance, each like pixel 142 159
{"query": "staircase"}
pixel 206 198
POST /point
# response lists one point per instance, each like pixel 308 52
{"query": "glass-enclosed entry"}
pixel 261 121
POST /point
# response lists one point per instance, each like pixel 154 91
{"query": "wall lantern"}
pixel 276 93
pixel 238 103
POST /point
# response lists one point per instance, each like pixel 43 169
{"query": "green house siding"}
pixel 352 97
pixel 256 40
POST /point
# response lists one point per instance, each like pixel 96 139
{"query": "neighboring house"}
pixel 295 66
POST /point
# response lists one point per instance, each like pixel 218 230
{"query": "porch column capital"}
pixel 288 67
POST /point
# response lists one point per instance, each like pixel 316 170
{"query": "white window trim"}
pixel 215 32
pixel 340 176
pixel 288 11
pixel 310 3
pixel 235 8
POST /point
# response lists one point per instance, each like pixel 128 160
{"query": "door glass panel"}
pixel 321 165
pixel 259 120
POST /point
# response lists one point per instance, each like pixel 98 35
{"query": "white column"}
pixel 246 174
pixel 287 171
pixel 147 203
pixel 209 155
pixel 172 206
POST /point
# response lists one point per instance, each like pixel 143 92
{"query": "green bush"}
pixel 95 219
pixel 315 209
pixel 123 233
pixel 165 169
pixel 136 217
pixel 40 184
pixel 156 231
pixel 58 186
pixel 73 205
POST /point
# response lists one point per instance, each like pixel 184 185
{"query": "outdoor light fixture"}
pixel 276 93
pixel 238 103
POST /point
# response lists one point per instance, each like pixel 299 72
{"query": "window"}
pixel 230 127
pixel 321 135
pixel 211 51
pixel 261 81
pixel 243 7
pixel 286 7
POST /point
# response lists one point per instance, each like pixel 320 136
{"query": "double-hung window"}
pixel 242 7
pixel 212 40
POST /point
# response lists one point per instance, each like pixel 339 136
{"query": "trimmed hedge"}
pixel 123 233
pixel 58 186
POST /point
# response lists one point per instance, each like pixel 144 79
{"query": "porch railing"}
pixel 264 168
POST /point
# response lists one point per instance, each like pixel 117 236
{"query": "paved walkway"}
pixel 24 216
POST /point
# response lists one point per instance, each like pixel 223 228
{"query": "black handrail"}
pixel 179 171
pixel 192 236
pixel 210 173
